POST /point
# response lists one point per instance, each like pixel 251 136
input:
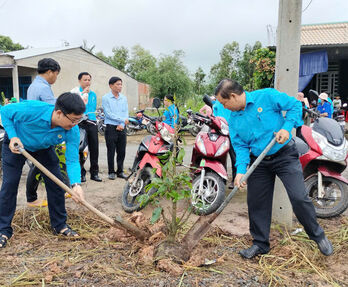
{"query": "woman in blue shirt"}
pixel 171 113
pixel 324 107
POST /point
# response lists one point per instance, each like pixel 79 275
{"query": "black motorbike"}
pixel 100 121
pixel 137 123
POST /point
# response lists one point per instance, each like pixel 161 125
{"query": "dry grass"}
pixel 35 257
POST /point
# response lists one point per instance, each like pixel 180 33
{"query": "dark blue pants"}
pixel 12 165
pixel 287 167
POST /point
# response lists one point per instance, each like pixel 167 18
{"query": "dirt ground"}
pixel 108 257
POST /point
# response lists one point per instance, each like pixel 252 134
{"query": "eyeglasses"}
pixel 74 122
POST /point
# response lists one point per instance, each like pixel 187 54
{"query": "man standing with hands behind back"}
pixel 90 125
pixel 115 107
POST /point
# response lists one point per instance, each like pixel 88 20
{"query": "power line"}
pixel 307 6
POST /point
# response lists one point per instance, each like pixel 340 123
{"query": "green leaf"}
pixel 181 155
pixel 156 214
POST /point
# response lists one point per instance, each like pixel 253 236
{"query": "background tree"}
pixel 142 65
pixel 264 60
pixel 246 67
pixel 198 81
pixel 171 77
pixel 101 55
pixel 7 45
pixel 228 65
pixel 120 58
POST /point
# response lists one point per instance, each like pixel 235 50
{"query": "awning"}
pixel 311 64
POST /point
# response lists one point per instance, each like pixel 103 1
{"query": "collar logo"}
pixel 60 136
pixel 259 109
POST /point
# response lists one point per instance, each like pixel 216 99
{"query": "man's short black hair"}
pixel 228 86
pixel 113 80
pixel 70 103
pixel 47 64
pixel 170 97
pixel 83 74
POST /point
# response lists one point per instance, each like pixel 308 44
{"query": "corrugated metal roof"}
pixel 32 52
pixel 324 34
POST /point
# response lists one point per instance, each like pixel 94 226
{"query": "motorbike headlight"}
pixel 319 139
pixel 224 129
pixel 223 147
pixel 166 136
pixel 200 145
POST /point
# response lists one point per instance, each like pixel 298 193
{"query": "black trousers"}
pixel 116 141
pixel 93 147
pixel 233 161
pixel 287 167
pixel 12 170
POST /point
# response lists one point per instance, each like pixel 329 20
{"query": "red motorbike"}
pixel 146 159
pixel 323 155
pixel 208 163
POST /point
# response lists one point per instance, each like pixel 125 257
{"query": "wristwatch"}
pixel 75 184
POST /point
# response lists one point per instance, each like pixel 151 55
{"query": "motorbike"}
pixel 194 125
pixel 209 162
pixel 137 123
pixel 100 121
pixel 2 134
pixel 339 116
pixel 151 148
pixel 323 156
pixel 34 175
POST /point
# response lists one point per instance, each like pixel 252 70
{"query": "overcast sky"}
pixel 198 27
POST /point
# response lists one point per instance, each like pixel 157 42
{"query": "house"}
pixel 330 39
pixel 18 70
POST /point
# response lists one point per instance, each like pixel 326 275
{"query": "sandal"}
pixel 68 232
pixel 3 240
pixel 38 203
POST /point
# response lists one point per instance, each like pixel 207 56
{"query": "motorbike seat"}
pixel 301 145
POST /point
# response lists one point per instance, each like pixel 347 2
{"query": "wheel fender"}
pixel 153 161
pixel 330 173
pixel 215 166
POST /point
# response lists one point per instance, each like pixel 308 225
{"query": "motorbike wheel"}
pixel 101 128
pixel 129 202
pixel 151 129
pixel 335 200
pixel 129 131
pixel 214 193
pixel 194 131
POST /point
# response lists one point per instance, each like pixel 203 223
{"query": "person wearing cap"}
pixel 256 118
pixel 324 108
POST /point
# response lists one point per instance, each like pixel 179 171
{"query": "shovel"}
pixel 202 225
pixel 118 222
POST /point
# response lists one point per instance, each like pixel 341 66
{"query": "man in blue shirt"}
pixel 90 125
pixel 40 89
pixel 115 107
pixel 255 118
pixel 38 126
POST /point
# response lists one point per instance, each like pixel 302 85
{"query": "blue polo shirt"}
pixel 91 106
pixel 115 109
pixel 253 128
pixel 30 121
pixel 40 90
pixel 325 108
pixel 171 115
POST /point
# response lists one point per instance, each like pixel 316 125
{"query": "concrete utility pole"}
pixel 15 82
pixel 286 80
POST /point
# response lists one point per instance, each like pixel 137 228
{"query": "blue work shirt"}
pixel 253 128
pixel 40 90
pixel 220 111
pixel 115 109
pixel 171 115
pixel 91 106
pixel 30 121
pixel 325 108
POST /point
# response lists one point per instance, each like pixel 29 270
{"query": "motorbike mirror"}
pixel 207 100
pixel 313 95
pixel 156 103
